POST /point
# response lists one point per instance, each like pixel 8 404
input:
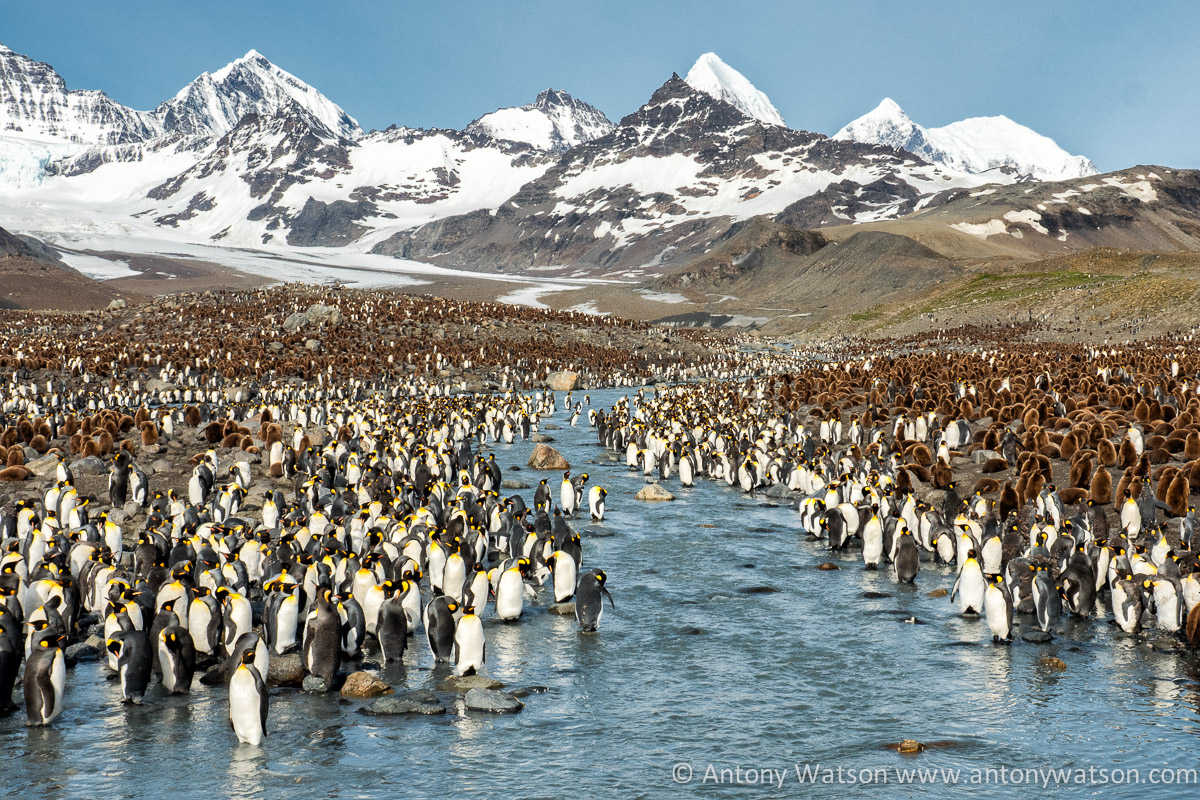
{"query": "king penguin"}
pixel 970 585
pixel 470 649
pixel 248 702
pixel 176 659
pixel 45 679
pixel 589 599
pixel 997 603
pixel 132 649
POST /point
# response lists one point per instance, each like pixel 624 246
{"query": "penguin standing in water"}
pixel 970 585
pixel 511 588
pixel 248 702
pixel 1047 603
pixel 565 575
pixel 567 496
pixel 907 560
pixel 1126 605
pixel 323 639
pixel 998 604
pixel 391 629
pixel 596 503
pixel 470 648
pixel 132 649
pixel 45 679
pixel 439 627
pixel 176 659
pixel 589 599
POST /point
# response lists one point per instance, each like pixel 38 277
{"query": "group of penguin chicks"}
pixel 397 497
pixel 1043 558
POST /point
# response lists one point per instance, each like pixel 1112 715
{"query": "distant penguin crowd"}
pixel 899 459
pixel 324 520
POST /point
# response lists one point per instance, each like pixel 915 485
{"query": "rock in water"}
pixel 1050 662
pixel 513 483
pixel 828 566
pixel 364 684
pixel 464 683
pixel 653 492
pixel 312 683
pixel 562 381
pixel 562 609
pixel 909 746
pixel 286 670
pixel 493 701
pixel 546 457
pixel 404 704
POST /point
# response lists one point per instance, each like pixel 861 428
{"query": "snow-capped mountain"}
pixel 213 104
pixel 717 79
pixel 669 178
pixel 36 105
pixel 250 157
pixel 971 145
pixel 554 121
pixel 42 122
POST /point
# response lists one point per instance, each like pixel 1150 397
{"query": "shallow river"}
pixel 698 665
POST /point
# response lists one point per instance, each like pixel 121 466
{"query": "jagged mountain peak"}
pixel 714 77
pixel 213 103
pixel 554 121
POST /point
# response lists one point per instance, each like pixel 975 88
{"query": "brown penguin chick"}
pixel 1191 446
pixel 994 465
pixel 1129 454
pixel 1080 473
pixel 1165 475
pixel 149 433
pixel 920 454
pixel 942 476
pixel 12 474
pixel 1009 502
pixel 1106 453
pixel 1177 496
pixel 1072 495
pixel 1069 446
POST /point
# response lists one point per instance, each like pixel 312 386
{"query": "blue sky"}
pixel 1117 82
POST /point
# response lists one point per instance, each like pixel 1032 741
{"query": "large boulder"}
pixel 546 457
pixel 653 493
pixel 323 314
pixel 562 381
pixel 364 684
pixel 285 670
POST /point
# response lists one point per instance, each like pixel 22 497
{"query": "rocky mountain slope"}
pixel 32 276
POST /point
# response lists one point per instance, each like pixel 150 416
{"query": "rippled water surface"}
pixel 691 668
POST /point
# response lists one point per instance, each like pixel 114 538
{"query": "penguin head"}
pixel 248 656
pixel 113 646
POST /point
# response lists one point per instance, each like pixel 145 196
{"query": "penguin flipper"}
pixel 261 688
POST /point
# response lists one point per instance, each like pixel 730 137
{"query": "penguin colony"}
pixel 319 516
pixel 874 450
pixel 394 525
